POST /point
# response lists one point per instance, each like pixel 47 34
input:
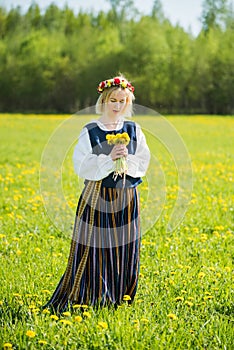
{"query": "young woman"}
pixel 103 264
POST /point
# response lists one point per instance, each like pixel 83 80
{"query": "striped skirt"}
pixel 103 263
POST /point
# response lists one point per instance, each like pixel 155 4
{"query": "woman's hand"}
pixel 119 151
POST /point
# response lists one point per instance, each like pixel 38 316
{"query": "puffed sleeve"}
pixel 88 165
pixel 139 162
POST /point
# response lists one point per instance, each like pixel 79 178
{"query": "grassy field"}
pixel 185 292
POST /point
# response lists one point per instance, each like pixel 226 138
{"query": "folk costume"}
pixel 103 264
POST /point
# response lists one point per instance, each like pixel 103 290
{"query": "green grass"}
pixel 185 293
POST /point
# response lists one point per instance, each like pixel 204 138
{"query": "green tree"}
pixel 122 10
pixel 213 13
pixel 2 23
pixel 70 22
pixel 52 61
pixel 13 20
pixel 33 18
pixel 157 10
pixel 53 19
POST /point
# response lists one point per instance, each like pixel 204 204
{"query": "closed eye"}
pixel 114 100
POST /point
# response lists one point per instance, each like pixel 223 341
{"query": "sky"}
pixel 184 12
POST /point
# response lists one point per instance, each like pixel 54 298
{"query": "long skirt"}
pixel 103 264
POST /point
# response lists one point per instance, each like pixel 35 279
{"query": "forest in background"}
pixel 52 61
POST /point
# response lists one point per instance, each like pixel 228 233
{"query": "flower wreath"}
pixel 121 82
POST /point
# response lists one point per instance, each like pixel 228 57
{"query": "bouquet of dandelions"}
pixel 121 166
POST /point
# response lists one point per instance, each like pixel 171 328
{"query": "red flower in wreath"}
pixel 116 81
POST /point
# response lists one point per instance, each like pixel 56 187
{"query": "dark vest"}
pixel 100 146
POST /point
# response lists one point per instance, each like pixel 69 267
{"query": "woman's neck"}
pixel 110 123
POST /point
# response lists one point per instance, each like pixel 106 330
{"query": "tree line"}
pixel 52 61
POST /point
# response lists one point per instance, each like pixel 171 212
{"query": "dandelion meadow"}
pixel 185 292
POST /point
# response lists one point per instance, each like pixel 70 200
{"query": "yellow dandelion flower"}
pixel 77 306
pixel 110 139
pixel 87 314
pixel 135 321
pixel 36 310
pixel 110 136
pixel 219 227
pixel 172 316
pixel 3 236
pixel 30 334
pixel 46 311
pixel 144 320
pixel 102 325
pixel 46 291
pixel 201 274
pixel 7 346
pixel 78 318
pixel 66 313
pixel 19 216
pixel 189 303
pixel 208 297
pixel 66 322
pixel 126 297
pixel 17 295
pixel 216 234
pixel 179 299
pixel 227 269
pixel 125 135
pixel 42 342
pixel 204 237
pixel 54 317
pixel 211 268
pixel 138 301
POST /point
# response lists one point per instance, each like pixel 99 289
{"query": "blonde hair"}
pixel 106 94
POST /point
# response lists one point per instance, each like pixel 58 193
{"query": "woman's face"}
pixel 116 104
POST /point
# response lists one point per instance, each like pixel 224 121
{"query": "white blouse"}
pixel 96 167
